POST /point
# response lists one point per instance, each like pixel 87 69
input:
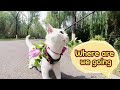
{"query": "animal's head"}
pixel 56 36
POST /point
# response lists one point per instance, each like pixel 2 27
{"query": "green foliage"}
pixel 117 44
pixel 37 46
pixel 113 26
pixel 73 43
pixel 41 47
pixel 9 19
pixel 94 24
pixel 98 37
pixel 56 18
pixel 37 30
pixel 37 63
pixel 51 19
pixel 42 55
pixel 103 23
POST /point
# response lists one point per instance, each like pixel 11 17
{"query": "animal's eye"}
pixel 61 32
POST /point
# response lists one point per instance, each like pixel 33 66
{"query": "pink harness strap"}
pixel 63 50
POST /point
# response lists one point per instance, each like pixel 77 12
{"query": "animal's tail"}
pixel 29 44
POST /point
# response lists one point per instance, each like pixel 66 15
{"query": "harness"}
pixel 50 59
pixel 41 51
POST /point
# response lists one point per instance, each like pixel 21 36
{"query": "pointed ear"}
pixel 49 28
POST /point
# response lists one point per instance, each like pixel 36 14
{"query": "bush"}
pixel 73 43
pixel 98 37
pixel 117 44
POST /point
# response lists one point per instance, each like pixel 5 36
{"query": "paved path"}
pixel 14 60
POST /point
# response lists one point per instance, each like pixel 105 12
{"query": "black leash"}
pixel 80 20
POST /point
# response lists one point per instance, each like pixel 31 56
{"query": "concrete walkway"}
pixel 14 60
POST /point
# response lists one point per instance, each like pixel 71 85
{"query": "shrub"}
pixel 117 44
pixel 73 43
pixel 98 37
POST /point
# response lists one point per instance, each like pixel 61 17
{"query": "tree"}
pixel 14 24
pixel 16 15
pixel 31 16
pixel 113 26
pixel 57 18
pixel 73 14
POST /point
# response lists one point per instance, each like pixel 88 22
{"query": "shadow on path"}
pixel 65 76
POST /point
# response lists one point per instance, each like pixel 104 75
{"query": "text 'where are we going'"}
pixel 95 62
pixel 95 57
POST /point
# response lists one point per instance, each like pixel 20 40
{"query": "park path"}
pixel 14 60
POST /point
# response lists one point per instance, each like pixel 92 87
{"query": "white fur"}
pixel 55 41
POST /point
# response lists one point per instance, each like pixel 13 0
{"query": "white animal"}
pixel 56 39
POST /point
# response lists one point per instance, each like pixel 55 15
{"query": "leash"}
pixel 80 20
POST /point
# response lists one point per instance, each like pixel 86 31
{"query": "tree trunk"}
pixel 29 24
pixel 16 28
pixel 106 26
pixel 28 30
pixel 91 30
pixel 59 19
pixel 17 25
pixel 74 26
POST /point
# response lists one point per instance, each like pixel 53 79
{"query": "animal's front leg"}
pixel 56 69
pixel 45 73
pixel 45 68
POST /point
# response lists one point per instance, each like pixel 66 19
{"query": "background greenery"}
pixel 101 25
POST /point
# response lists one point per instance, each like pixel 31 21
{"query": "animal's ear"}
pixel 49 28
